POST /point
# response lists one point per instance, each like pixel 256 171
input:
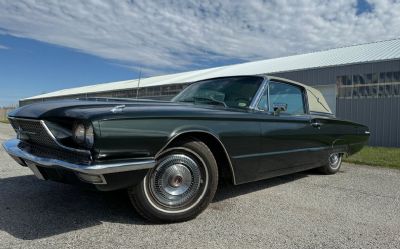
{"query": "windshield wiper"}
pixel 204 99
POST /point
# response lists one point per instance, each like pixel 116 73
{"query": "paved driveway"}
pixel 356 208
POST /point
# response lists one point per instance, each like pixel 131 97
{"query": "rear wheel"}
pixel 180 186
pixel 333 164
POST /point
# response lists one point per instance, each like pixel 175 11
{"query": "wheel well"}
pixel 225 170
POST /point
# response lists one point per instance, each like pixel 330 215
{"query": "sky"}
pixel 52 45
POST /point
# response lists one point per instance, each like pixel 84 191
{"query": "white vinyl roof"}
pixel 377 51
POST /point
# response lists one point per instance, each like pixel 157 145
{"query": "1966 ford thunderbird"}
pixel 170 155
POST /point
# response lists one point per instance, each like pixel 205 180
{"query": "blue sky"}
pixel 29 67
pixel 56 45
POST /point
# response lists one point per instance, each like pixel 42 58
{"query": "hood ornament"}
pixel 118 109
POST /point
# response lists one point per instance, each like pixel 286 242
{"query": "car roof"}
pixel 286 80
pixel 316 101
pixel 269 77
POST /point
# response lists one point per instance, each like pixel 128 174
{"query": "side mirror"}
pixel 279 107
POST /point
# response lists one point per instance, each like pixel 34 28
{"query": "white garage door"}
pixel 329 92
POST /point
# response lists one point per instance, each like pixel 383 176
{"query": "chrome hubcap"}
pixel 175 181
pixel 334 160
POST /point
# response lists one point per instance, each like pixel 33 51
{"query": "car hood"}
pixel 116 109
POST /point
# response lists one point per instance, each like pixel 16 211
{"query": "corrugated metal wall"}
pixel 380 114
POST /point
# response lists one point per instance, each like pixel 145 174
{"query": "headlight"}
pixel 79 133
pixel 83 135
pixel 89 136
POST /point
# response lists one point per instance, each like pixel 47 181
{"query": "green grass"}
pixel 377 156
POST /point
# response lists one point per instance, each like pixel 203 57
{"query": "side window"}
pixel 286 94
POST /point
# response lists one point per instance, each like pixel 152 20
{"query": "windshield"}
pixel 234 92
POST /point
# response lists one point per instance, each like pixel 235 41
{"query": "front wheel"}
pixel 333 164
pixel 180 186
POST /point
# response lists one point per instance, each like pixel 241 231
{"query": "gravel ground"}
pixel 357 208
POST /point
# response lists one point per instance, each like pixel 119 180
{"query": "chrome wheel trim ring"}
pixel 147 182
pixel 335 160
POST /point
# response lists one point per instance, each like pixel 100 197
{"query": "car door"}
pixel 288 136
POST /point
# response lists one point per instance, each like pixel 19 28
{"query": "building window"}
pixel 396 90
pixel 369 85
pixel 357 79
pixel 389 77
pixel 382 78
pixel 339 80
pixel 375 78
pixel 347 80
pixel 368 78
pixel 396 76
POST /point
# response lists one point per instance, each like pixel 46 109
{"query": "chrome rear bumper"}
pixel 27 159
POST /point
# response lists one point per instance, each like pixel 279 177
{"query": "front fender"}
pixel 134 138
pixel 186 129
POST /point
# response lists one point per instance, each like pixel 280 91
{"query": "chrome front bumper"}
pixel 27 159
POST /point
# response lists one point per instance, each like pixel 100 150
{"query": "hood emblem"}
pixel 118 109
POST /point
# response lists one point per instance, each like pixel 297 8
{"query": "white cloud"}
pixel 3 47
pixel 179 35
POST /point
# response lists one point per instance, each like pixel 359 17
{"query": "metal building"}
pixel 360 83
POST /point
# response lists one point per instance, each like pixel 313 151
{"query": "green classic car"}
pixel 170 155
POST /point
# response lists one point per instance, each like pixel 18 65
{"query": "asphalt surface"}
pixel 357 208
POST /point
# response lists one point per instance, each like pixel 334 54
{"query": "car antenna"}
pixel 138 84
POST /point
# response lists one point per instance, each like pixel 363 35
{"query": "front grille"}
pixel 37 141
pixel 33 131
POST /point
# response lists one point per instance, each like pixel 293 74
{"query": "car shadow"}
pixel 227 190
pixel 32 209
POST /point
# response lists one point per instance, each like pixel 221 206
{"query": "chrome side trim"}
pixel 282 152
pixel 11 146
pixel 176 135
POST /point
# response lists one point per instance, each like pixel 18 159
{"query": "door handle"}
pixel 316 124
